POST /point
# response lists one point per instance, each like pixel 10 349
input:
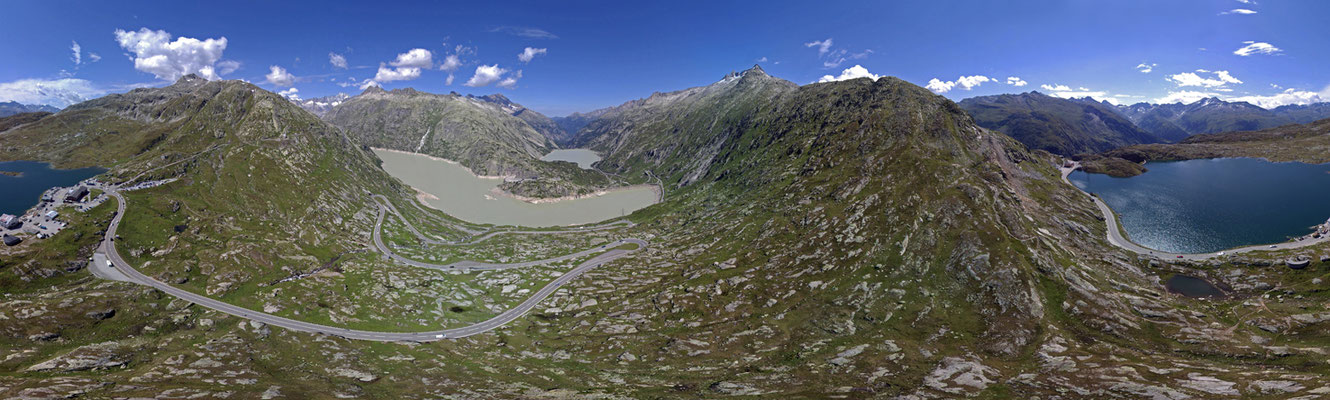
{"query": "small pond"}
pixel 1191 286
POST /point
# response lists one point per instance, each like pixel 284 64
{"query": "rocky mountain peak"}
pixel 373 90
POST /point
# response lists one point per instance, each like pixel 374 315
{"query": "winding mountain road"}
pixel 108 251
pixel 1119 239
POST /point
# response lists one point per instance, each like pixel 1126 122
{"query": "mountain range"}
pixel 857 238
pixel 1084 125
pixel 1056 125
pixel 14 107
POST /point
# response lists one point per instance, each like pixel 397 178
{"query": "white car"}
pixel 438 336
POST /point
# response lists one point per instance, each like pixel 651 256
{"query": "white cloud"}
pixel 414 58
pixel 94 57
pixel 1257 48
pixel 278 76
pixel 530 53
pixel 337 60
pixel 406 67
pixel 485 75
pixel 59 93
pixel 762 60
pixel 822 46
pixel 1146 68
pixel 1185 97
pixel 1220 79
pixel 1288 96
pixel 963 82
pixel 227 66
pixel 1083 92
pixel 368 83
pixel 290 94
pixel 854 72
pixel 451 63
pixel 449 81
pixel 78 53
pixel 154 52
pixel 1016 81
pixel 522 31
pixel 1056 87
pixel 386 74
pixel 1239 11
pixel 511 81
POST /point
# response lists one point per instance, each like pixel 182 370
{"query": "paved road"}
pixel 1119 239
pixel 110 252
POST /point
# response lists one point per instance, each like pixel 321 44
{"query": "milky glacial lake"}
pixel 453 189
pixel 583 157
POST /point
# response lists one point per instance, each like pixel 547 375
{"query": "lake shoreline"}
pixel 599 192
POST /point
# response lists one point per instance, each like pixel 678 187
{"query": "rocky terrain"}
pixel 9 122
pixel 1056 125
pixel 854 239
pixel 1308 143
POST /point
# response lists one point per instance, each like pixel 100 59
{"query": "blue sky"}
pixel 588 55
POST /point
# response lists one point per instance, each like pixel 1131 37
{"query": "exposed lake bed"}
pixel 1208 205
pixel 452 188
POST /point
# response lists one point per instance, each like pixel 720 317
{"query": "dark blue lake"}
pixel 22 192
pixel 1200 206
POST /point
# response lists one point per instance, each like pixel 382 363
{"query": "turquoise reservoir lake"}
pixel 24 191
pixel 1200 206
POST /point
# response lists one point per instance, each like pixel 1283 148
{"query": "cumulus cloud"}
pixel 386 74
pixel 1219 79
pixel 1145 68
pixel 278 76
pixel 290 94
pixel 1185 97
pixel 368 83
pixel 78 53
pixel 855 72
pixel 1253 47
pixel 527 32
pixel 405 67
pixel 1238 11
pixel 823 46
pixel 511 81
pixel 154 52
pixel 964 83
pixel 337 60
pixel 530 53
pixel 485 75
pixel 451 63
pixel 1287 97
pixel 59 93
pixel 449 81
pixel 1016 81
pixel 1097 95
pixel 1056 87
pixel 414 58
